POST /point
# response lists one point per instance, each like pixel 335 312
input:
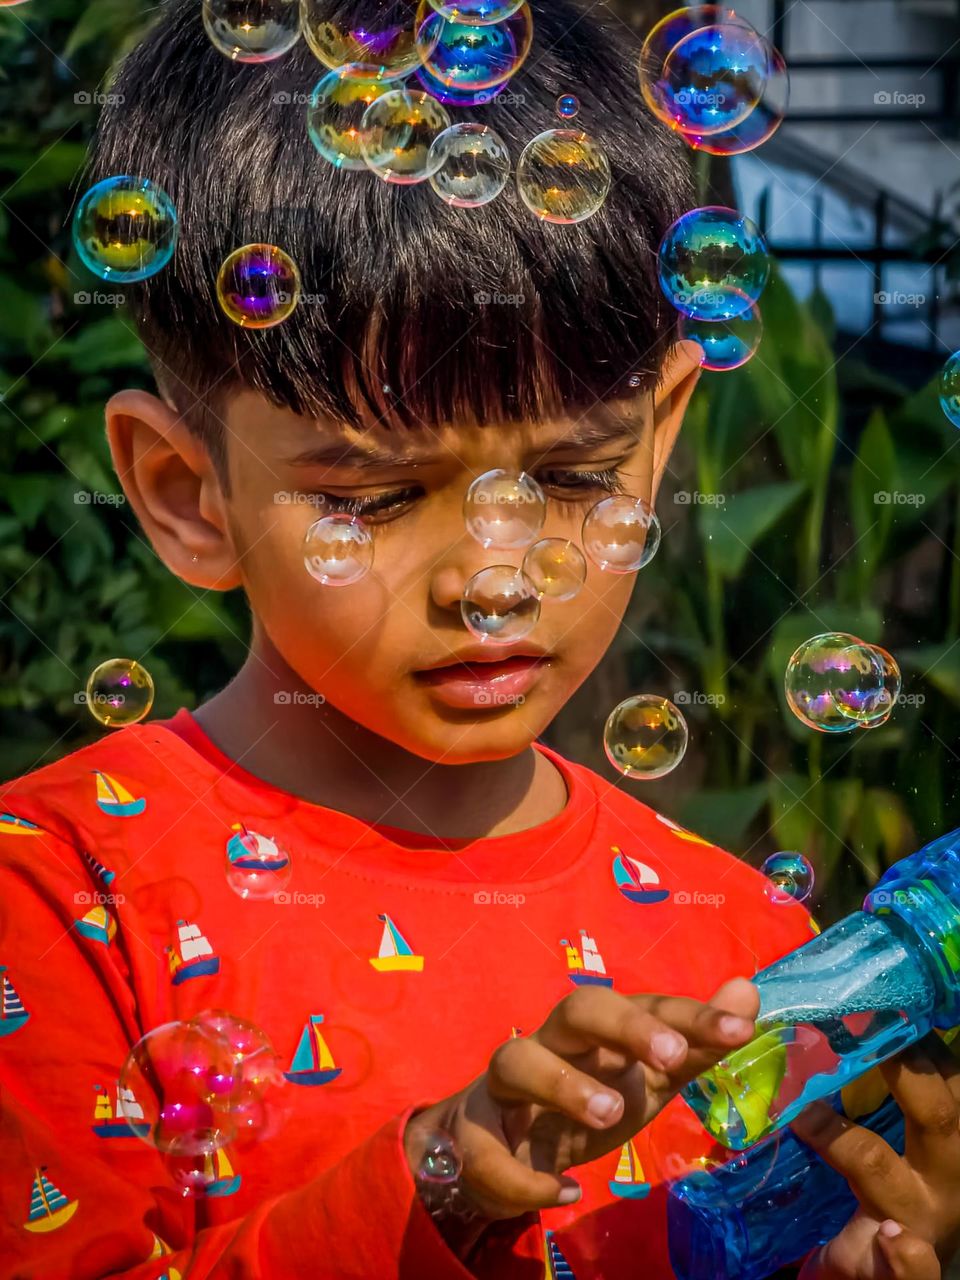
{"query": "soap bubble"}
pixel 556 567
pixel 336 108
pixel 500 604
pixel 726 344
pixel 950 389
pixel 713 78
pixel 258 1105
pixel 441 1162
pixel 125 229
pixel 470 165
pixel 563 176
pixel 338 550
pixel 760 125
pixel 789 877
pixel 196 1173
pixel 389 34
pixel 252 30
pixel 871 705
pixel 713 263
pixel 621 534
pixel 258 286
pixel 477 11
pixel 397 132
pixel 645 736
pixel 257 866
pixel 568 106
pixel 664 37
pixel 119 692
pixel 835 683
pixel 504 509
pixel 468 57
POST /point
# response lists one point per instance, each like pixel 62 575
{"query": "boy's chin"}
pixel 445 735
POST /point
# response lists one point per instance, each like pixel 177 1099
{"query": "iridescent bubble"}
pixel 470 165
pixel 950 389
pixel 568 106
pixel 397 132
pixel 836 682
pixel 500 604
pixel 476 11
pixel 197 1173
pixel 871 706
pixel 621 534
pixel 713 263
pixel 258 286
pixel 125 229
pixel 563 176
pixel 338 550
pixel 336 109
pixel 789 877
pixel 504 509
pixel 762 122
pixel 556 567
pixel 257 1103
pixel 119 692
pixel 713 78
pixel 645 736
pixel 726 344
pixel 441 1162
pixel 383 33
pixel 252 30
pixel 468 57
pixel 664 37
pixel 258 866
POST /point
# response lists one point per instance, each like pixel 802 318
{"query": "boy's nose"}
pixel 446 585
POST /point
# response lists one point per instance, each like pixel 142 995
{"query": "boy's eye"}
pixel 577 486
pixel 371 507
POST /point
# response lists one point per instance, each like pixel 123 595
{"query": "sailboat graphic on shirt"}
pixel 161 1250
pixel 585 965
pixel 98 925
pixel 192 955
pixel 114 799
pixel 11 825
pixel 628 1182
pixel 12 1013
pixel 251 851
pixel 555 1265
pixel 395 952
pixel 635 880
pixel 49 1207
pixel 125 1120
pixel 99 870
pixel 313 1062
pixel 222 1179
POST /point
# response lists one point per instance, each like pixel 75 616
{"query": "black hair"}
pixel 403 332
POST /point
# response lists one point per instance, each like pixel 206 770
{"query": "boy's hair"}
pixel 403 333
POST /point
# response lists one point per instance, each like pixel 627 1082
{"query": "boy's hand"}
pixel 598 1070
pixel 918 1191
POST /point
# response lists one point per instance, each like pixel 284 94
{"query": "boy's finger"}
pixel 906 1256
pixel 500 1185
pixel 930 1109
pixel 877 1176
pixel 524 1070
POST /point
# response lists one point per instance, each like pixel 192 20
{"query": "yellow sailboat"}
pixel 629 1183
pixel 395 952
pixel 49 1207
pixel 114 799
pixel 217 1167
pixel 161 1250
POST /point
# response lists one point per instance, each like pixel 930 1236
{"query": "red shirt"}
pixel 393 965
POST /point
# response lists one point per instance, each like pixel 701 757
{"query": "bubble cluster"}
pixel 563 176
pixel 713 263
pixel 504 509
pixel 500 604
pixel 119 692
pixel 338 550
pixel 258 286
pixel 556 567
pixel 469 165
pixel 258 866
pixel 789 877
pixel 726 344
pixel 336 109
pixel 621 534
pixel 125 229
pixel 950 389
pixel 468 57
pixel 836 682
pixel 645 736
pixel 397 133
pixel 389 34
pixel 762 122
pixel 252 30
pixel 568 106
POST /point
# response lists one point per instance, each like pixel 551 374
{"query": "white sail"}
pixel 128 1108
pixel 193 943
pixel 592 960
pixel 387 947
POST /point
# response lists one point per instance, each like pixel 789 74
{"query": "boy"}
pixel 454 955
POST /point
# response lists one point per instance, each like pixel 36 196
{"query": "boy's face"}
pixel 367 646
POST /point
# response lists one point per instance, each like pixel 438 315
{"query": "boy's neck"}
pixel 316 753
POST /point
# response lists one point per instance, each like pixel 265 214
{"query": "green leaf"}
pixel 724 816
pixel 40 169
pixel 939 664
pixel 28 495
pixel 731 531
pixel 110 343
pixel 872 492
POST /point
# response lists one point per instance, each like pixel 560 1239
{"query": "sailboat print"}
pixel 251 851
pixel 98 925
pixel 124 1121
pixel 49 1207
pixel 628 1182
pixel 224 1181
pixel 98 869
pixel 192 955
pixel 395 952
pixel 635 880
pixel 12 1013
pixel 161 1250
pixel 555 1265
pixel 114 799
pixel 313 1062
pixel 586 969
pixel 11 825
pixel 681 832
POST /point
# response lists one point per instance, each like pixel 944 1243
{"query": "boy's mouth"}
pixel 471 682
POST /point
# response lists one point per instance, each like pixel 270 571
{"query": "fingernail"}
pixel 570 1195
pixel 733 1026
pixel 891 1228
pixel 602 1106
pixel 667 1047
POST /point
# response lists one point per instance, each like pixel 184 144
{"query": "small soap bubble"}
pixel 389 34
pixel 635 380
pixel 726 344
pixel 441 1163
pixel 468 57
pixel 645 736
pixel 870 705
pixel 476 11
pixel 119 692
pixel 762 122
pixel 338 550
pixel 563 176
pixel 252 30
pixel 789 877
pixel 258 866
pixel 258 286
pixel 125 229
pixel 713 78
pixel 713 263
pixel 336 108
pixel 504 509
pixel 836 682
pixel 950 389
pixel 195 1174
pixel 500 604
pixel 621 534
pixel 568 106
pixel 556 567
pixel 397 133
pixel 470 165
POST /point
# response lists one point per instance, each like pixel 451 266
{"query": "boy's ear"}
pixel 679 377
pixel 173 486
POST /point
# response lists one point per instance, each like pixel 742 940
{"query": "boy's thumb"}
pixel 905 1256
pixel 737 996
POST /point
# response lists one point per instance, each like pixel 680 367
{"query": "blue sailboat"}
pixel 313 1062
